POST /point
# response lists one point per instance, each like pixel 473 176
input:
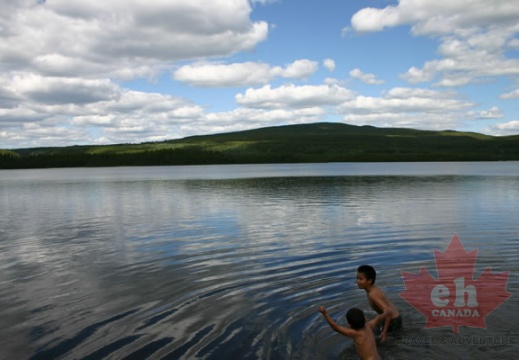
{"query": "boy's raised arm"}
pixel 340 329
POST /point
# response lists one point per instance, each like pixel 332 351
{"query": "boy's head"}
pixel 366 274
pixel 355 318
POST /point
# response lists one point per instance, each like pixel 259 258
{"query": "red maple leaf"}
pixel 455 299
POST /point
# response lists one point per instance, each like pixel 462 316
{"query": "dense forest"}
pixel 319 142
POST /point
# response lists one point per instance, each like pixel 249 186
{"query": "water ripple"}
pixel 236 269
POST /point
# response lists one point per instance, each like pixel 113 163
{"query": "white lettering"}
pixel 461 290
pixel 454 313
pixel 437 292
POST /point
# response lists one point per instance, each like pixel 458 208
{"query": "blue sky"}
pixel 129 71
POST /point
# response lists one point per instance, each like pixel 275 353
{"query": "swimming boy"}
pixel 366 276
pixel 359 331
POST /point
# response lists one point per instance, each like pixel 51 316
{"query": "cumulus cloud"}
pixel 368 105
pixel 464 62
pixel 407 107
pixel 511 95
pixel 436 16
pixel 329 64
pixel 300 69
pixel 60 90
pixel 246 119
pixel 63 62
pixel 66 65
pixel 474 36
pixel 241 74
pixel 408 93
pixel 249 118
pixel 216 75
pixel 100 36
pixel 263 1
pixel 507 128
pixel 370 79
pixel 372 19
pixel 293 96
pixel 130 115
pixel 8 98
pixel 492 113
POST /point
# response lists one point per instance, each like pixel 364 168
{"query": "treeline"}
pixel 273 154
pixel 187 156
pixel 322 142
pixel 153 157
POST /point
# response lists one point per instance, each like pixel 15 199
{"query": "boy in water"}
pixel 366 276
pixel 359 331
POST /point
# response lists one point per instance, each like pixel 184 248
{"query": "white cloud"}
pixel 407 93
pixel 333 81
pixel 407 107
pixel 371 19
pixel 492 113
pixel 415 75
pixel 454 81
pixel 67 67
pixel 241 74
pixel 249 118
pixel 436 16
pixel 366 104
pixel 474 36
pixel 263 2
pixel 131 116
pixel 507 128
pixel 511 95
pixel 329 64
pixel 292 96
pixel 59 90
pixel 465 61
pixel 216 75
pixel 61 61
pixel 370 79
pixel 259 117
pixel 300 69
pixel 103 36
pixel 513 44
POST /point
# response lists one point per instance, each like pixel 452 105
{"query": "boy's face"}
pixel 362 281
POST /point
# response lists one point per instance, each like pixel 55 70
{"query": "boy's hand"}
pixel 383 336
pixel 322 309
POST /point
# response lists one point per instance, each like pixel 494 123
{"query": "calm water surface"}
pixel 231 262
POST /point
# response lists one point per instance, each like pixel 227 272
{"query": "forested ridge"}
pixel 318 142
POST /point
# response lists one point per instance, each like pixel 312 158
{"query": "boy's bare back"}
pixel 380 303
pixel 363 338
pixel 365 344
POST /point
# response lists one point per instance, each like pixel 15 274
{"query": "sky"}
pixel 129 71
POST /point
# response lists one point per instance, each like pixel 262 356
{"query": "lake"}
pixel 232 261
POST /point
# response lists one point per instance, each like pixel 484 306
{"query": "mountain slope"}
pixel 318 142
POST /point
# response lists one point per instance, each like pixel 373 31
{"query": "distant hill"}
pixel 318 142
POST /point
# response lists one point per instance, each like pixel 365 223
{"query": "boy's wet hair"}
pixel 356 318
pixel 369 272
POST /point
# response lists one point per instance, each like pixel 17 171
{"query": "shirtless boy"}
pixel 359 331
pixel 366 276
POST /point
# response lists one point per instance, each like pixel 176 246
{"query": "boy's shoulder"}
pixel 375 291
pixel 357 333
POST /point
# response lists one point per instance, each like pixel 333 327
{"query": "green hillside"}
pixel 319 142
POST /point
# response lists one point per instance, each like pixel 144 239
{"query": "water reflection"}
pixel 143 265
